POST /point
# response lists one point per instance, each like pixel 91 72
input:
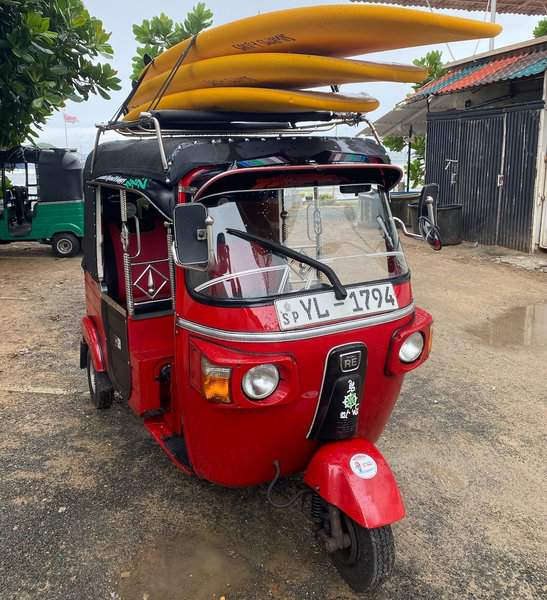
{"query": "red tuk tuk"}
pixel 248 296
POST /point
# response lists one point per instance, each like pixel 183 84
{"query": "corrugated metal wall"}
pixel 517 202
pixel 486 160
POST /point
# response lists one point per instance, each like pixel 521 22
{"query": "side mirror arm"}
pixel 398 221
pixel 429 202
pixel 209 221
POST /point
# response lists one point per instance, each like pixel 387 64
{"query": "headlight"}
pixel 412 348
pixel 260 382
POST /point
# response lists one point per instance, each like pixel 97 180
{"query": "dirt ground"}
pixel 91 508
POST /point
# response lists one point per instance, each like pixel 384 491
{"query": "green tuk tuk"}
pixel 41 198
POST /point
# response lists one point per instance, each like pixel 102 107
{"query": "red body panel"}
pixel 370 502
pixel 151 347
pixel 93 310
pixel 236 444
pixel 91 337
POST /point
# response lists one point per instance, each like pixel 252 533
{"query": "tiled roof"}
pixel 497 68
pixel 518 7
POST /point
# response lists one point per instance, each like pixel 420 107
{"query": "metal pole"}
pixel 408 159
pixel 492 20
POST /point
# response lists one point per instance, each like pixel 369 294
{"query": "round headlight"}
pixel 260 382
pixel 412 348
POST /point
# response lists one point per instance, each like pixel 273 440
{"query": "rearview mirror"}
pixel 193 232
pixel 356 189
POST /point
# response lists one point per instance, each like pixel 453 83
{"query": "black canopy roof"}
pixel 18 155
pixel 141 157
pixel 58 170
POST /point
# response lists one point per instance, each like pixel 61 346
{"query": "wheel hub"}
pixel 64 246
pixel 333 534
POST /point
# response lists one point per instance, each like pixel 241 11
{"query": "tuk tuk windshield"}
pixel 348 228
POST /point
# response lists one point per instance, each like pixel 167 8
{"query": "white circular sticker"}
pixel 363 465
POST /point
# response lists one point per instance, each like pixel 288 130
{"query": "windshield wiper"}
pixel 340 291
pixel 389 240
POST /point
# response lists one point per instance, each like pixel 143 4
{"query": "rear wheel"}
pixel 100 388
pixel 370 557
pixel 65 245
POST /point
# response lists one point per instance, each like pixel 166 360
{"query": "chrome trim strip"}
pixel 229 276
pixel 302 334
pixel 57 202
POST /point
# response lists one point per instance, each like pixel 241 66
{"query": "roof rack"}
pixel 202 124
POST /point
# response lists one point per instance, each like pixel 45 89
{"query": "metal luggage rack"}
pixel 148 126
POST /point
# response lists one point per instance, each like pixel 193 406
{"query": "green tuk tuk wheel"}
pixel 65 245
pixel 100 388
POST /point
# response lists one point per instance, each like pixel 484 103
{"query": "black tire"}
pixel 370 559
pixel 65 245
pixel 100 388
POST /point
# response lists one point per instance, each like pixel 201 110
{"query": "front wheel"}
pixel 65 245
pixel 369 558
pixel 100 388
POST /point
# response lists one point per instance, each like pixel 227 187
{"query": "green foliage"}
pixel 48 52
pixel 417 173
pixel 7 185
pixel 395 143
pixel 541 28
pixel 161 32
pixel 433 62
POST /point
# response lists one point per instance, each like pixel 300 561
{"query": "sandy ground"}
pixel 91 508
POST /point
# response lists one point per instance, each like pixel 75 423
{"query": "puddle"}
pixel 184 568
pixel 519 326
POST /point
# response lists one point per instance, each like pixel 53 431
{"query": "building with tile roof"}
pixel 486 142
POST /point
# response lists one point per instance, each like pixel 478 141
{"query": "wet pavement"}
pixel 91 508
pixel 518 326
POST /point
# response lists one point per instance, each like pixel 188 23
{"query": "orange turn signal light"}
pixel 215 382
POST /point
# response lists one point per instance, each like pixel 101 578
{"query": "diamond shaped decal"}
pixel 151 281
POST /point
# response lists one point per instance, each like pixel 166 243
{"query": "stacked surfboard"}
pixel 268 63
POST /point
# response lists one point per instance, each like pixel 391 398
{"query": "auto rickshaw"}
pixel 47 204
pixel 248 296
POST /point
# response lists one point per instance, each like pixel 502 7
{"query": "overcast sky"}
pixel 119 16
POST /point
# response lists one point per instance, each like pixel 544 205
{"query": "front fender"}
pixel 91 338
pixel 354 476
pixel 65 228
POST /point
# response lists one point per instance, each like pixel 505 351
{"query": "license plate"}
pixel 323 307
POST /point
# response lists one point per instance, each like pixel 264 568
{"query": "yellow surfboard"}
pixel 249 99
pixel 330 30
pixel 288 71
